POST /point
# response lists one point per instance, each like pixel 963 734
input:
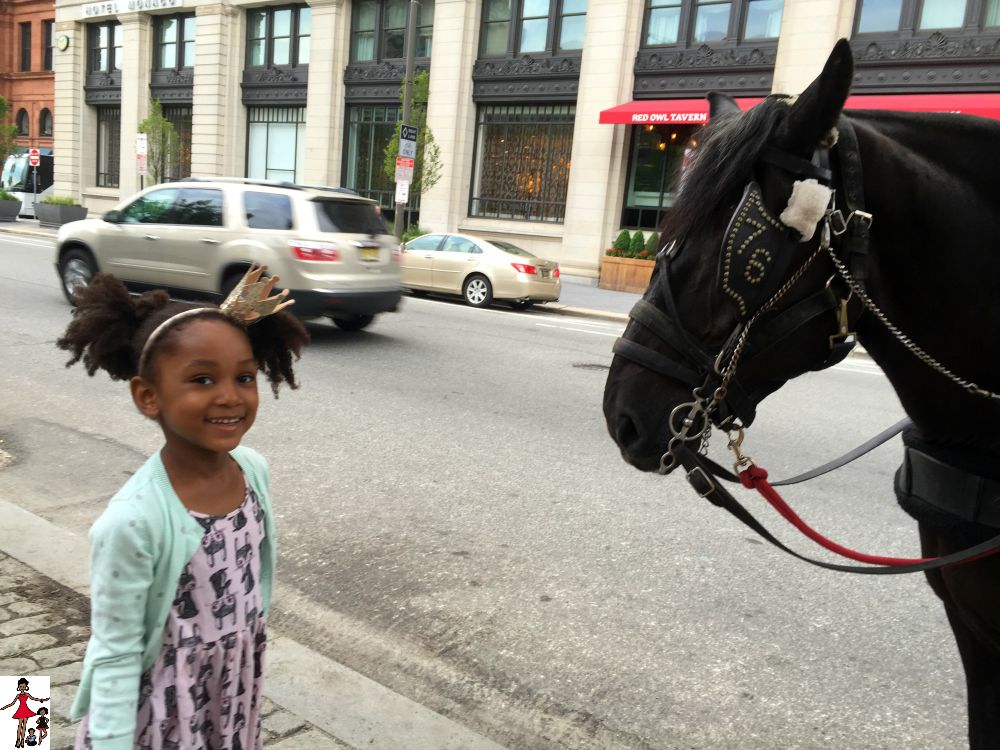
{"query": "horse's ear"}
pixel 817 109
pixel 720 104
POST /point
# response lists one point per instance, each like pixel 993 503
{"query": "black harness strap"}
pixel 971 497
pixel 653 360
pixel 704 484
pixel 855 242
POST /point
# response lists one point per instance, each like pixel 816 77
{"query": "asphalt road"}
pixel 456 523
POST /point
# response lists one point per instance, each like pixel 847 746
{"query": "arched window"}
pixel 45 122
pixel 23 127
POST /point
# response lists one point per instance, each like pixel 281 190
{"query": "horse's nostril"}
pixel 627 435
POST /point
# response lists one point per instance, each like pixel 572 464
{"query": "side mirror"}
pixel 113 217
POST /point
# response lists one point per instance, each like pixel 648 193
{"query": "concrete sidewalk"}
pixel 44 628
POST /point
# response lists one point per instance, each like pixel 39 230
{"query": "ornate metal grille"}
pixel 522 162
pixel 179 166
pixel 109 133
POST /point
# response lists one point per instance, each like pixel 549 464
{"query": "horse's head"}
pixel 729 266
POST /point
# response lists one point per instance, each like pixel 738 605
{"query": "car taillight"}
pixel 523 268
pixel 555 274
pixel 323 251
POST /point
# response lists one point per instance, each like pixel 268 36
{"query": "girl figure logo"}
pixel 163 551
pixel 23 713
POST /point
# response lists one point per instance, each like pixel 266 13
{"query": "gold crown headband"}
pixel 247 303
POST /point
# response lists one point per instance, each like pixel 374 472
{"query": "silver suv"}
pixel 196 239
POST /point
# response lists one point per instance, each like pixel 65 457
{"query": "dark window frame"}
pixel 113 51
pixel 380 29
pixel 45 123
pixel 560 115
pixel 736 33
pixel 112 176
pixel 909 21
pixel 22 122
pixel 180 116
pixel 48 43
pixel 24 35
pixel 295 37
pixel 181 40
pixel 514 29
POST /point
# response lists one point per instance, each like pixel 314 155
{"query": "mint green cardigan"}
pixel 138 548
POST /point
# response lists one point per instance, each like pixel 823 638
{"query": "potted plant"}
pixel 628 265
pixel 10 206
pixel 55 210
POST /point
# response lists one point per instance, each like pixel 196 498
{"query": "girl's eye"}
pixel 202 380
pixel 247 377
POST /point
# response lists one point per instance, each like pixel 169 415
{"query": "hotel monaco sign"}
pixel 115 7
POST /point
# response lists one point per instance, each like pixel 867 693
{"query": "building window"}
pixel 175 42
pixel 656 156
pixel 696 22
pixel 279 37
pixel 276 143
pixel 109 131
pixel 105 47
pixel 22 122
pixel 531 26
pixel 45 123
pixel 369 130
pixel 890 17
pixel 47 40
pixel 378 29
pixel 25 46
pixel 179 166
pixel 522 162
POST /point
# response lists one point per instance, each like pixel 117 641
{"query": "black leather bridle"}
pixel 718 397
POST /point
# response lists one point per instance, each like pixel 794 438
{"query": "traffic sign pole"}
pixel 411 41
pixel 34 157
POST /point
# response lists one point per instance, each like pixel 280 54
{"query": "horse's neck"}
pixel 933 187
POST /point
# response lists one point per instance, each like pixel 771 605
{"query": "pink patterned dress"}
pixel 204 690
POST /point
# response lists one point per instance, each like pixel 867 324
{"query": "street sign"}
pixel 33 157
pixel 141 144
pixel 140 165
pixel 408 141
pixel 404 169
pixel 402 192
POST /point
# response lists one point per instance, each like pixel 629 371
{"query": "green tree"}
pixel 621 242
pixel 7 132
pixel 427 165
pixel 651 242
pixel 637 245
pixel 163 145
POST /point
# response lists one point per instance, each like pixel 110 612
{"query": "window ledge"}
pixel 511 227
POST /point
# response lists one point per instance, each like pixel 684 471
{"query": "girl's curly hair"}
pixel 110 327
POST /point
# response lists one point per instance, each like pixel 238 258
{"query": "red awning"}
pixel 695 111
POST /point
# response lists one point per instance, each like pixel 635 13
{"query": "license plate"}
pixel 369 253
pixel 546 273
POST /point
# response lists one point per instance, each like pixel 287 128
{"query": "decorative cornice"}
pixel 386 70
pixel 706 58
pixel 933 63
pixel 527 66
pixel 544 89
pixel 937 46
pixel 102 95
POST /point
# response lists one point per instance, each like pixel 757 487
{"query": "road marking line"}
pixel 579 330
pixel 29 243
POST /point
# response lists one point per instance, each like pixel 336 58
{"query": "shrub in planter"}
pixel 412 233
pixel 637 245
pixel 10 206
pixel 56 210
pixel 651 243
pixel 620 246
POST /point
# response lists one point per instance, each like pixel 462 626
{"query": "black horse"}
pixel 907 255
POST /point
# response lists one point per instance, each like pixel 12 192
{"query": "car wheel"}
pixel 478 291
pixel 76 269
pixel 521 304
pixel 353 322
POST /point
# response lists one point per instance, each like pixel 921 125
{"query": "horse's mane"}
pixel 722 165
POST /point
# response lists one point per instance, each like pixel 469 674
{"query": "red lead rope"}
pixel 755 477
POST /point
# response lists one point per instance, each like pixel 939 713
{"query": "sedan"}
pixel 480 270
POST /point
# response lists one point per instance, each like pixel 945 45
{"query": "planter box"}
pixel 54 215
pixel 9 210
pixel 625 274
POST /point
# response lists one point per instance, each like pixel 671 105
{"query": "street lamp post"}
pixel 411 41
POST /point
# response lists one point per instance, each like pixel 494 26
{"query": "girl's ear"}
pixel 144 396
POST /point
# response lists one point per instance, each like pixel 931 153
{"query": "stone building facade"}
pixel 523 94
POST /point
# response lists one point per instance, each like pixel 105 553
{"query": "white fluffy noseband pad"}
pixel 806 207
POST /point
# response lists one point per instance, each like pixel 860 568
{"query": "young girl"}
pixel 174 658
pixel 23 713
pixel 42 722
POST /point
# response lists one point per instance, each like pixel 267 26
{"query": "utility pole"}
pixel 411 43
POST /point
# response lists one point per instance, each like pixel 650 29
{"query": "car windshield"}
pixel 350 217
pixel 512 249
pixel 15 170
